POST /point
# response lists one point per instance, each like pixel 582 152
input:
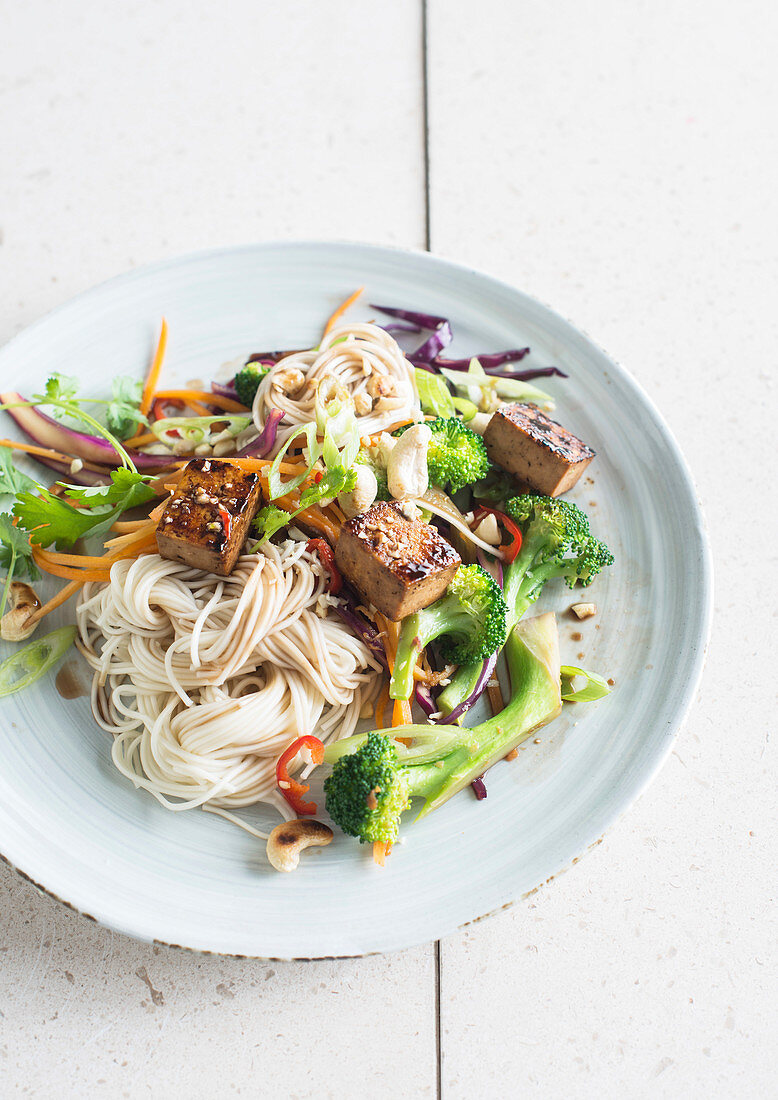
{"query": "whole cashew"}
pixel 488 530
pixel 480 422
pixel 22 602
pixel 406 470
pixel 362 495
pixel 290 838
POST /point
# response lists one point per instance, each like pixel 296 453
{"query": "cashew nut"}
pixel 480 422
pixel 584 610
pixel 362 495
pixel 290 838
pixel 22 602
pixel 363 403
pixel 379 385
pixel 289 380
pixel 406 470
pixel 489 530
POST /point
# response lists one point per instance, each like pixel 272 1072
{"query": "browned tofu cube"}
pixel 206 521
pixel 397 564
pixel 536 450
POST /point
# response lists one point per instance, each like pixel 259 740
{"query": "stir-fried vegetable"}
pixel 28 665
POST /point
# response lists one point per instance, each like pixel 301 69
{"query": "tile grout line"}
pixel 427 245
pixel 426 125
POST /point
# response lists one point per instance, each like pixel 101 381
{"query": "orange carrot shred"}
pixel 380 852
pixel 56 601
pixel 401 713
pixel 380 707
pixel 341 310
pixel 152 378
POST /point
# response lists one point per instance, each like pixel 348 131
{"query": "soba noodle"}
pixel 205 680
pixel 364 359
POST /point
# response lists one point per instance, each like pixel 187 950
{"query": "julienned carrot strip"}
pixel 341 310
pixel 401 713
pixel 123 526
pixel 55 601
pixel 131 537
pixel 74 565
pixel 152 377
pixel 380 707
pixel 142 440
pixel 44 452
pixel 203 397
pixel 380 852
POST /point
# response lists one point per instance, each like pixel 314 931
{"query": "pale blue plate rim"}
pixel 572 335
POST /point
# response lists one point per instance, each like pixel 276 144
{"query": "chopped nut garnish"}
pixel 584 610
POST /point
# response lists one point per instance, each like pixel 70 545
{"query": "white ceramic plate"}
pixel 77 828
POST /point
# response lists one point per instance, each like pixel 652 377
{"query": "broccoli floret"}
pixel 556 542
pixel 366 794
pixel 456 455
pixel 369 456
pixel 247 382
pixel 469 618
pixel 374 778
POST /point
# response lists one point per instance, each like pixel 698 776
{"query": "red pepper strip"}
pixel 510 549
pixel 226 519
pixel 290 788
pixel 157 411
pixel 324 550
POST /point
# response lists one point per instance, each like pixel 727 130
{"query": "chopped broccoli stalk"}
pixel 456 455
pixel 374 778
pixel 469 618
pixel 556 542
pixel 247 382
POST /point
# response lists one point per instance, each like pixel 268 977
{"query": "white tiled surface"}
pixel 618 160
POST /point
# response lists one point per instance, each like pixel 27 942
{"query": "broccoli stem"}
pixel 443 760
pixel 416 632
pixel 464 680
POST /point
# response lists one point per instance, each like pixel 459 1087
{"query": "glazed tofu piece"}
pixel 536 450
pixel 397 564
pixel 207 519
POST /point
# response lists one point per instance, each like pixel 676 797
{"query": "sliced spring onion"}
pixel 277 487
pixel 434 394
pixel 28 665
pixel 596 687
pixel 476 385
pixel 196 429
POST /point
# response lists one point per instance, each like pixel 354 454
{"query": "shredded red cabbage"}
pixel 400 328
pixel 479 788
pixel 428 357
pixel 266 440
pixel 225 389
pixel 492 565
pixel 425 700
pixel 363 630
pixel 422 320
pixel 483 678
pixel 267 357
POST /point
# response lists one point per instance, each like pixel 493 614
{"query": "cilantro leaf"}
pixel 59 387
pixel 268 520
pixel 15 546
pixel 50 519
pixel 336 480
pixel 123 413
pixel 12 480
